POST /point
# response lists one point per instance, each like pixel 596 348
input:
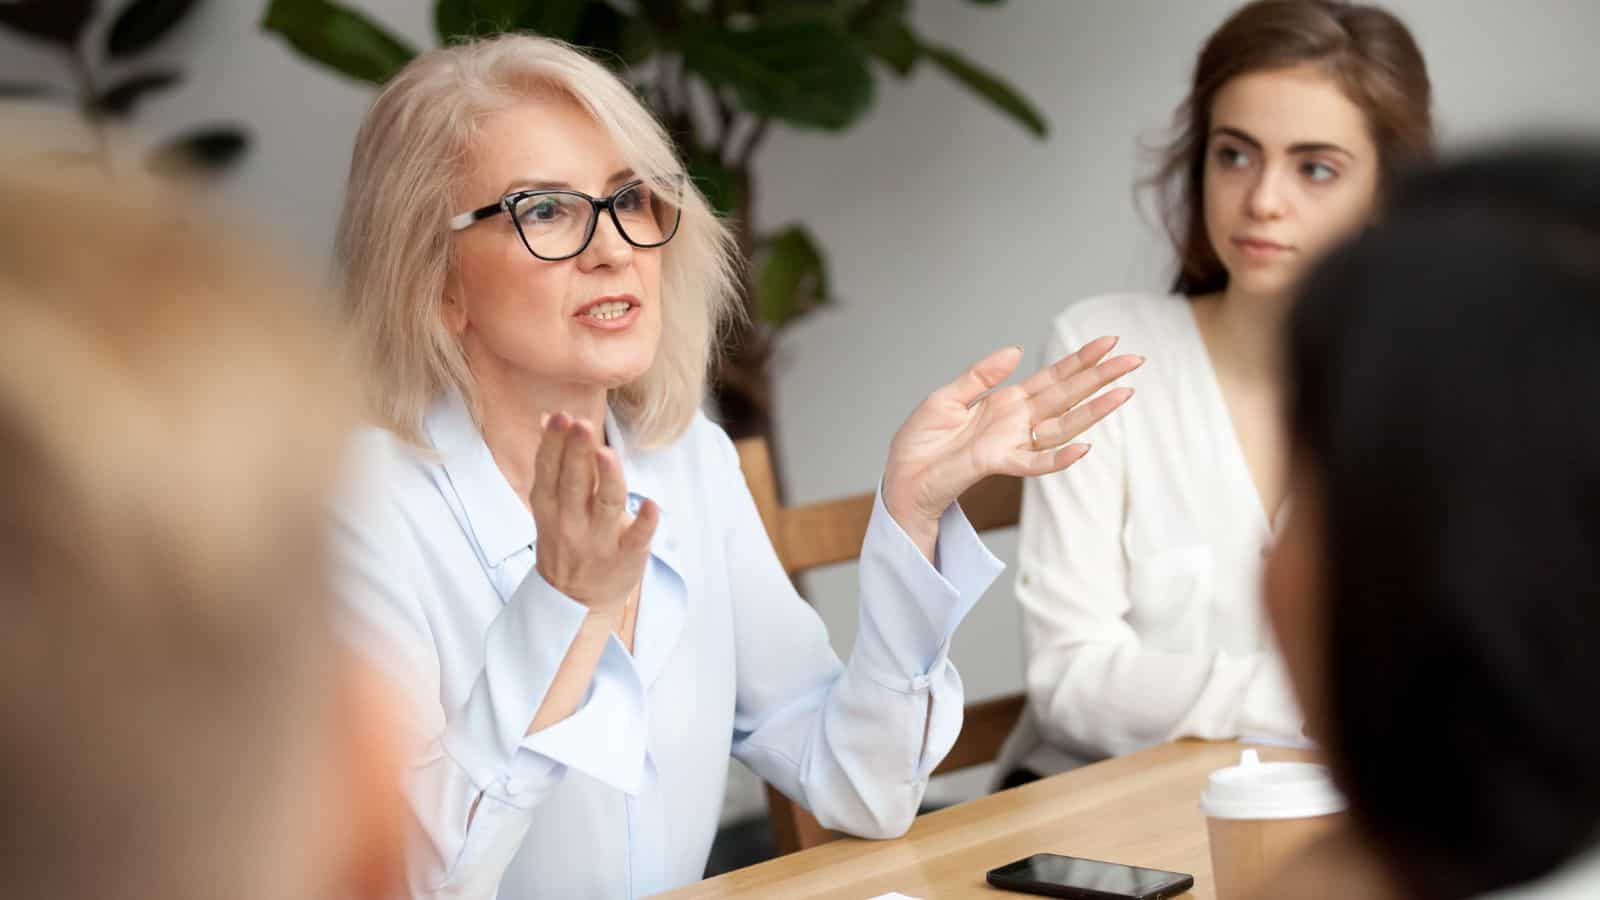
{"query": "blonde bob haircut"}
pixel 395 250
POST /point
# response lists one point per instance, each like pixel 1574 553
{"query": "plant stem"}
pixel 684 96
pixel 87 105
pixel 658 87
pixel 757 135
pixel 725 123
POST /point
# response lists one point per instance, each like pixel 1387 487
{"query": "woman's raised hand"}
pixel 969 429
pixel 589 547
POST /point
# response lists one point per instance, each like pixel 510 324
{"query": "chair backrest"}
pixel 811 535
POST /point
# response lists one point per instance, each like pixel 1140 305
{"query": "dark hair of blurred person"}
pixel 1437 591
pixel 176 720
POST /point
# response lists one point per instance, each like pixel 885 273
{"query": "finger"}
pixel 984 374
pixel 577 470
pixel 1057 431
pixel 1071 364
pixel 636 537
pixel 611 493
pixel 1063 395
pixel 547 468
pixel 1044 462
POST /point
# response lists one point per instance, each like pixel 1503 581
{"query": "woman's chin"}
pixel 1264 283
pixel 617 379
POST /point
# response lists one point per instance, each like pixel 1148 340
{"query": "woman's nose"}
pixel 608 247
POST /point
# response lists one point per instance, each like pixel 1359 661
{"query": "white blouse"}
pixel 622 798
pixel 1139 567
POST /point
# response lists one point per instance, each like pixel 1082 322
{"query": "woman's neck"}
pixel 1245 332
pixel 512 411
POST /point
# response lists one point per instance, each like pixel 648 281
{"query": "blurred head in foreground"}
pixel 1437 590
pixel 176 720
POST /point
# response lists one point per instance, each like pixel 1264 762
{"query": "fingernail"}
pixel 544 420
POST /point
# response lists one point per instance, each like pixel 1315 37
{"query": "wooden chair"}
pixel 813 535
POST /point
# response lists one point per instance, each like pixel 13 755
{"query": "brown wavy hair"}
pixel 1366 50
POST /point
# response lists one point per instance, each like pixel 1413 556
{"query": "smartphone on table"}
pixel 1054 875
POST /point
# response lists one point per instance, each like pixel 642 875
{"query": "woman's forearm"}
pixel 572 679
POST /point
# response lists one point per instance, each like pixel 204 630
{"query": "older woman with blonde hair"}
pixel 556 549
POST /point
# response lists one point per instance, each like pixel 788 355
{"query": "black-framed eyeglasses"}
pixel 558 224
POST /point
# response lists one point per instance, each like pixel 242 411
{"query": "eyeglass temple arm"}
pixel 483 212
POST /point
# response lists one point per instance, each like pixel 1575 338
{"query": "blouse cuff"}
pixel 524 648
pixel 909 608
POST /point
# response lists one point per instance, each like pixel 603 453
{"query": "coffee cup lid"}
pixel 1273 790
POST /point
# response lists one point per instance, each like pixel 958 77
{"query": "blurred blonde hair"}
pixel 171 419
pixel 394 245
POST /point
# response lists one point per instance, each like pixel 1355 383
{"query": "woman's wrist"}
pixel 920 526
pixel 907 514
pixel 916 499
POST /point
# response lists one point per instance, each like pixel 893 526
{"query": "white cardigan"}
pixel 1139 567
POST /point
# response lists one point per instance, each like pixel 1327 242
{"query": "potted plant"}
pixel 106 83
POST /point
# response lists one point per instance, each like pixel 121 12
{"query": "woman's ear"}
pixel 367 795
pixel 452 311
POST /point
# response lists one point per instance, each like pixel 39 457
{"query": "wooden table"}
pixel 1141 809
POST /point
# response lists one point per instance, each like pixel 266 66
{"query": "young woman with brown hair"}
pixel 1139 570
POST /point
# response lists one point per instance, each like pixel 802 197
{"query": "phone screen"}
pixel 1093 875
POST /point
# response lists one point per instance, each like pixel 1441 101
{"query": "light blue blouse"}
pixel 622 798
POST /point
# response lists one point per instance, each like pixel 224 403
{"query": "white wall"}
pixel 948 230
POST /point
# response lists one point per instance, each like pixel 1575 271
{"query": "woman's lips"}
pixel 613 313
pixel 1260 248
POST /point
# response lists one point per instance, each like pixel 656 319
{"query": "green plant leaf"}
pixel 142 24
pixel 120 99
pixel 20 90
pixel 454 19
pixel 340 38
pixel 56 21
pixel 715 180
pixel 621 37
pixel 638 40
pixel 805 74
pixel 793 279
pixel 787 12
pixel 989 87
pixel 200 152
pixel 556 18
pixel 895 46
pixel 660 11
pixel 880 28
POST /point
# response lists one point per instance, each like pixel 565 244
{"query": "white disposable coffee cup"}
pixel 1258 815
